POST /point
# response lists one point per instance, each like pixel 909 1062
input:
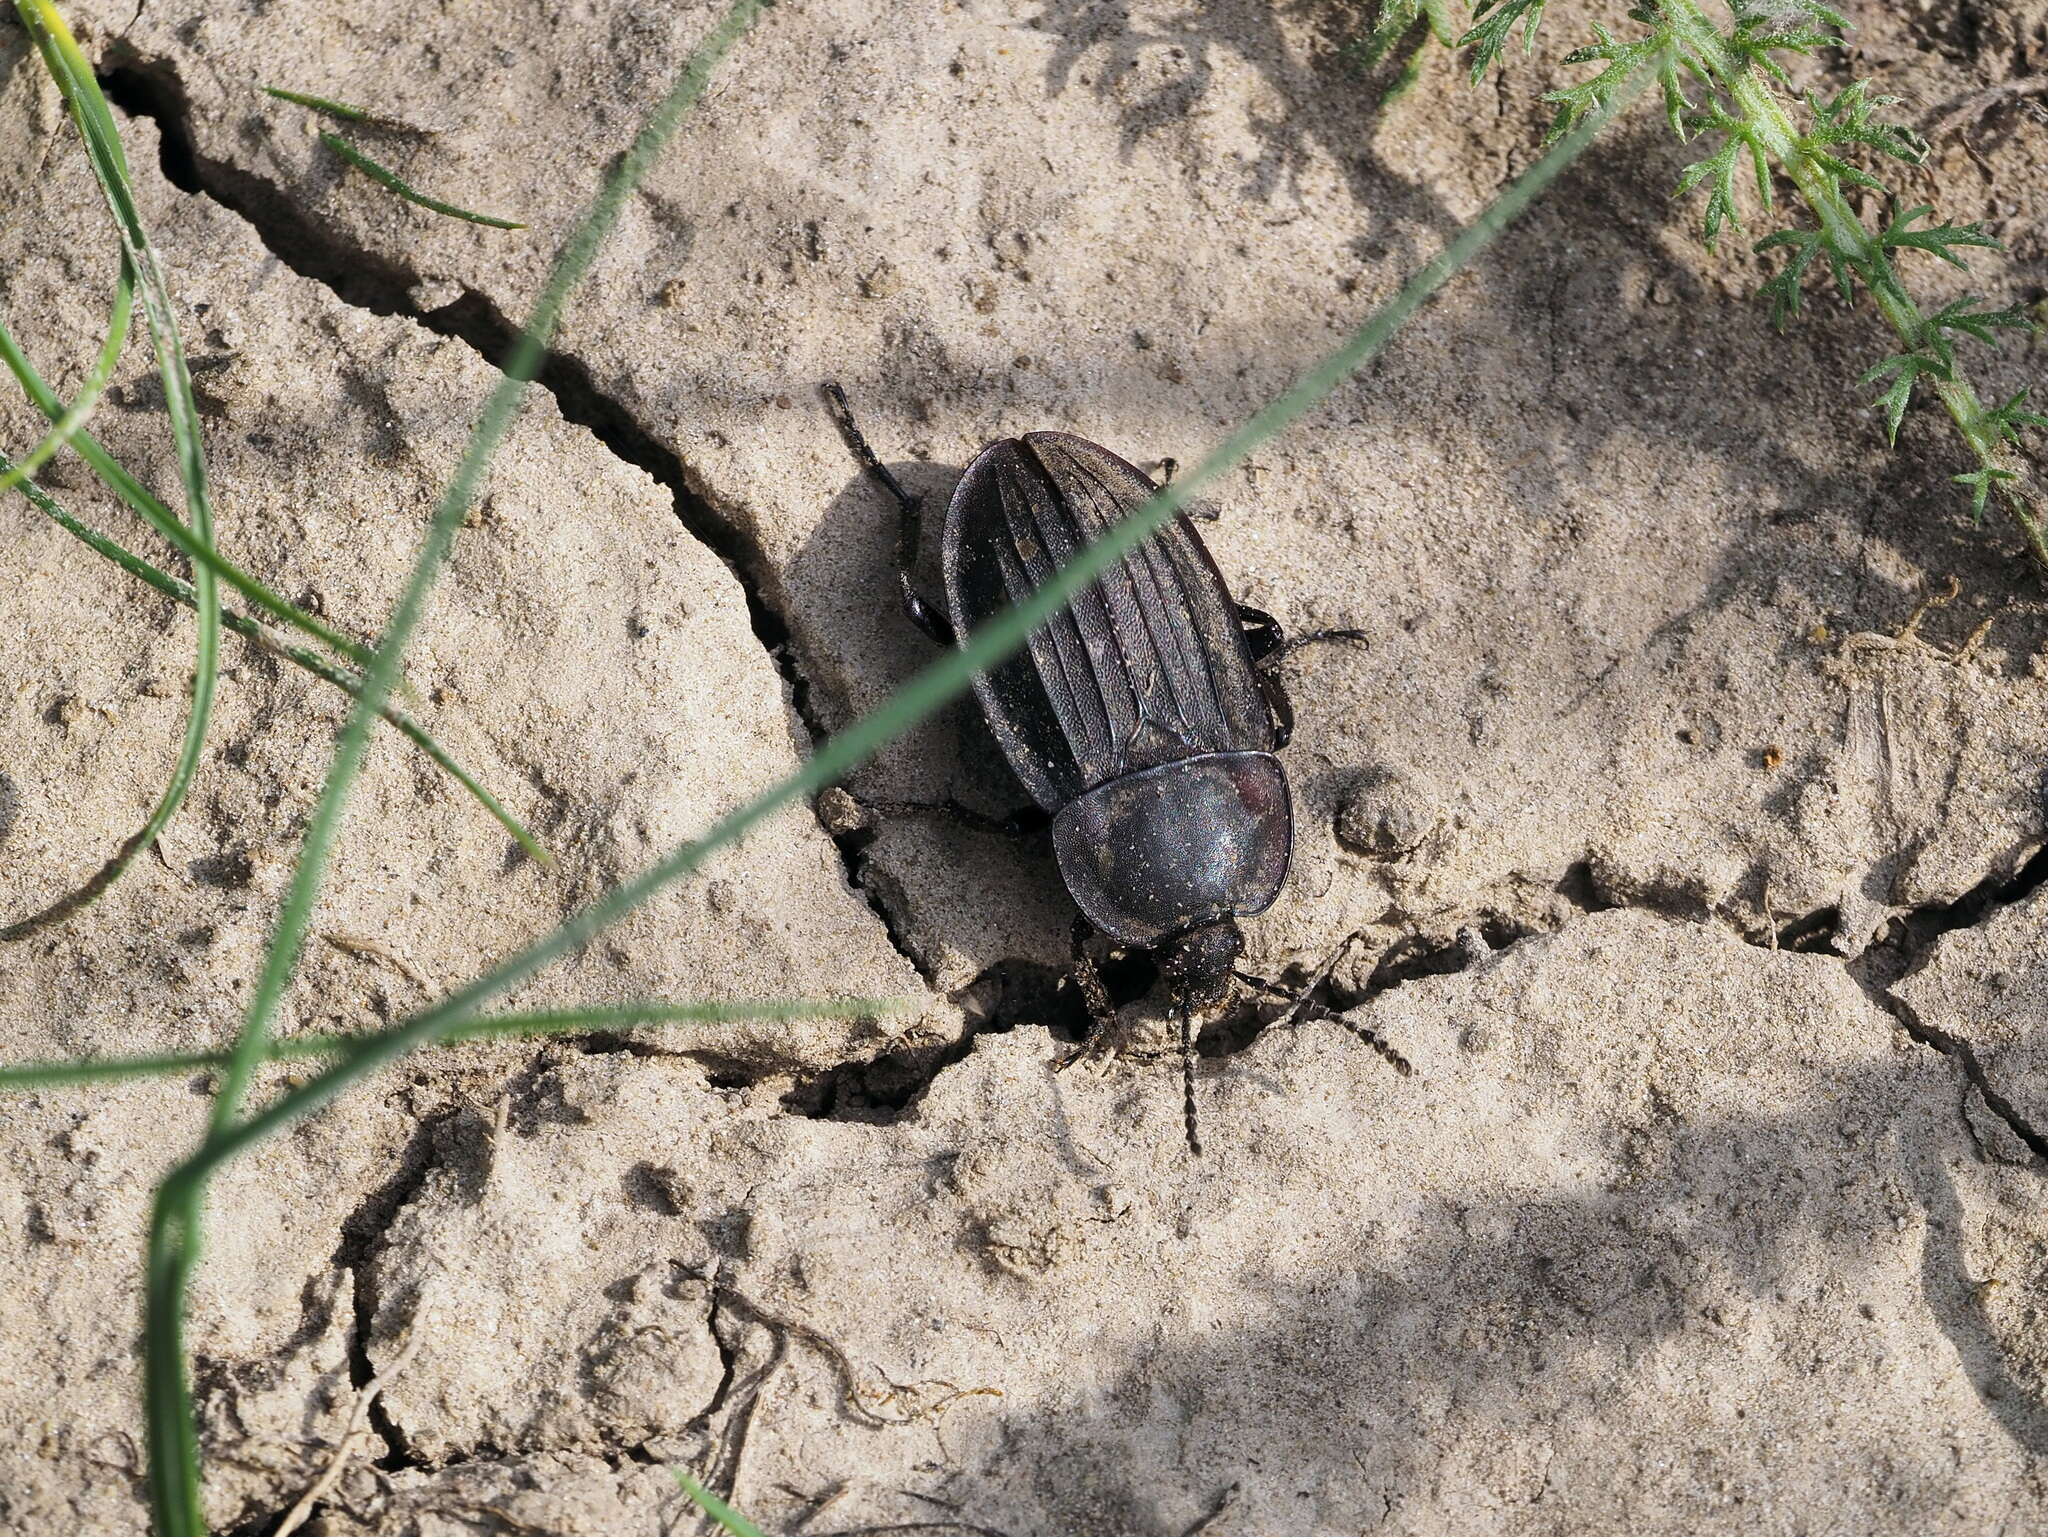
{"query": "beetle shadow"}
pixel 963 898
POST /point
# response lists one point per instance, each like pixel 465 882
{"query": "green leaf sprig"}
pixel 1748 117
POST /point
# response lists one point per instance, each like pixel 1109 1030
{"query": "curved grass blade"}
pixel 384 178
pixel 74 418
pixel 317 665
pixel 175 1228
pixel 145 504
pixel 95 122
pixel 590 1021
pixel 177 1220
pixel 712 1506
pixel 346 112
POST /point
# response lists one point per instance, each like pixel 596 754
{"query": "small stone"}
pixel 430 294
pixel 839 813
pixel 1771 757
pixel 1384 815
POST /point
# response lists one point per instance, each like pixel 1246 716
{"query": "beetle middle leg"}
pixel 1269 647
pixel 927 616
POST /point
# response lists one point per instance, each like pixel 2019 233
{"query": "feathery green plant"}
pixel 1747 119
pixel 1397 21
pixel 178 1212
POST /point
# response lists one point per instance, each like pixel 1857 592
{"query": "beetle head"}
pixel 1197 962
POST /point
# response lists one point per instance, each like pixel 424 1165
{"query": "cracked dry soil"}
pixel 1704 893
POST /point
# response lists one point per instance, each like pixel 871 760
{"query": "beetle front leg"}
pixel 1101 1011
pixel 927 616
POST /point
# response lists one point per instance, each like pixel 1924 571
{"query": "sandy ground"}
pixel 1701 888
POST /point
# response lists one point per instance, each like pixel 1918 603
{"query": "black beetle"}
pixel 1144 717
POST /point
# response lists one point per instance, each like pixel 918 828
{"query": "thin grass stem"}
pixel 712 1506
pixel 146 505
pixel 337 109
pixel 178 1197
pixel 174 1469
pixel 89 110
pixel 299 656
pixel 83 403
pixel 543 1022
pixel 390 179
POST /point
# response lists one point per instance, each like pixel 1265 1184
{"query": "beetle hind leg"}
pixel 1026 822
pixel 1269 646
pixel 923 613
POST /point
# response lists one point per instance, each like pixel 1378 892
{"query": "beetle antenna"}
pixel 849 429
pixel 1187 1077
pixel 1306 998
pixel 1260 984
pixel 1373 1038
pixel 1306 1001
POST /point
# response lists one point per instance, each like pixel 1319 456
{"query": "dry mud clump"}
pixel 1716 1201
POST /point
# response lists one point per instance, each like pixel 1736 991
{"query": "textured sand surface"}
pixel 1698 880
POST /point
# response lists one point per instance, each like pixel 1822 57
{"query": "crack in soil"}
pixel 880 1089
pixel 1908 946
pixel 365 279
pixel 361 1230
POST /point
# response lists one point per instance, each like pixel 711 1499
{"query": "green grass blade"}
pixel 545 1022
pixel 95 122
pixel 68 425
pixel 496 419
pixel 340 109
pixel 145 504
pixel 173 1457
pixel 384 178
pixel 716 1508
pixel 317 665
